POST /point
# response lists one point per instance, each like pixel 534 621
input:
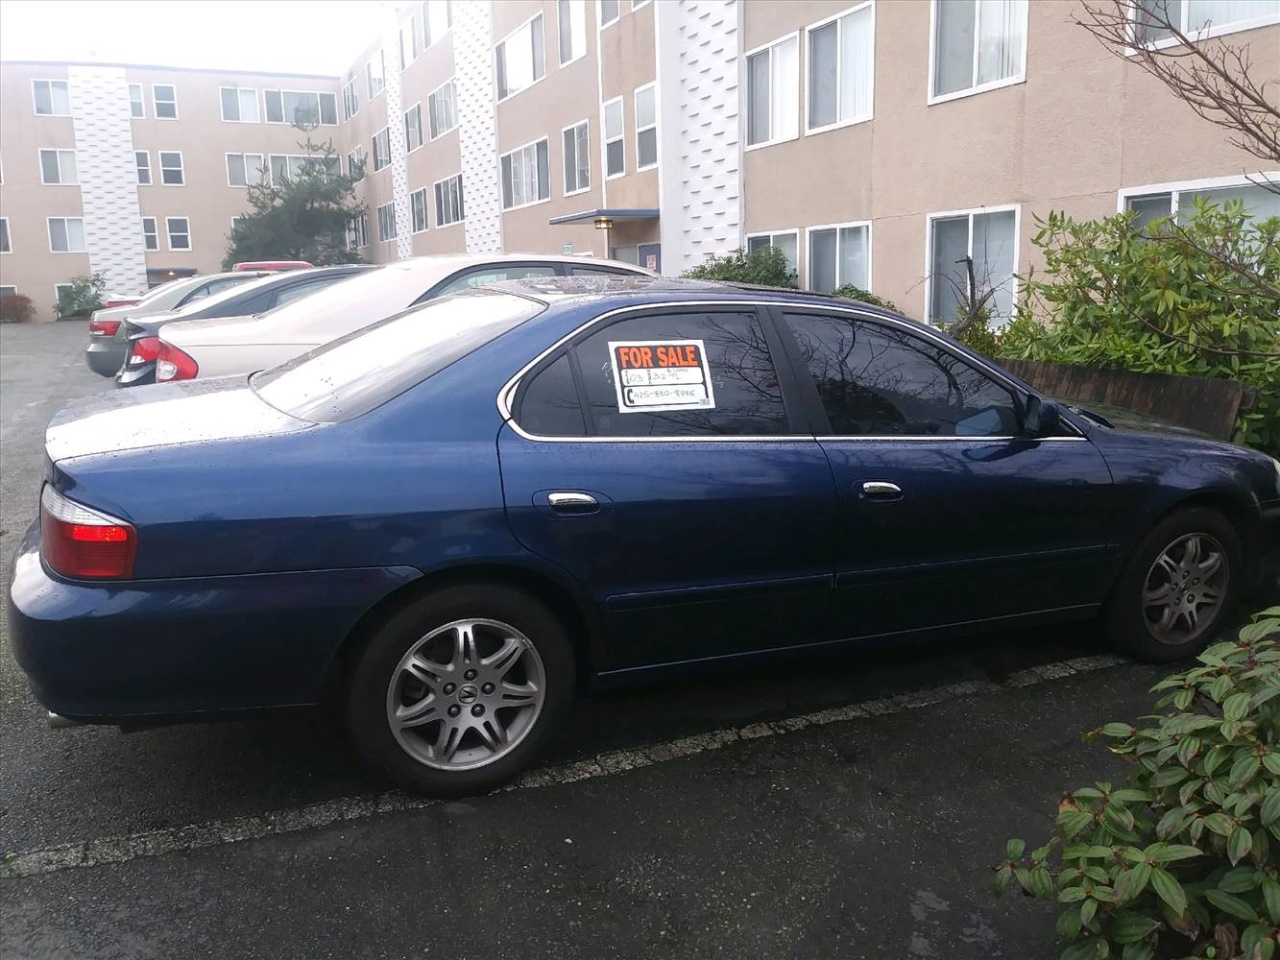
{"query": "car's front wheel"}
pixel 461 689
pixel 1178 586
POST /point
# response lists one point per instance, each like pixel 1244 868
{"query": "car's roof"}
pixel 447 262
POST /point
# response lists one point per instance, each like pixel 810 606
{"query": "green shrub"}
pixel 1180 862
pixel 767 266
pixel 850 292
pixel 81 296
pixel 1200 297
pixel 15 308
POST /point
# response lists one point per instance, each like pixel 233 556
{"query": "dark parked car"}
pixel 250 299
pixel 453 518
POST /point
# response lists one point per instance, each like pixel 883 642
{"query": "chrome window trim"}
pixel 506 395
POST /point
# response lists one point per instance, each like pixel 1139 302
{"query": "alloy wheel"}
pixel 1185 588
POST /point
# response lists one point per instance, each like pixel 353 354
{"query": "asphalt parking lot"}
pixel 844 807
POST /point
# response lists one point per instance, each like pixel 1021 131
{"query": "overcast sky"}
pixel 282 36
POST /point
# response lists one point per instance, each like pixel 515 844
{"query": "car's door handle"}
pixel 573 503
pixel 881 490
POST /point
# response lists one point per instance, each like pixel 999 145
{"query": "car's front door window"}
pixel 879 380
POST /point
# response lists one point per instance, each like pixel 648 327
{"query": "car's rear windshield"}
pixel 354 374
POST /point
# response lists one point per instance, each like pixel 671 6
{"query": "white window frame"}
pixel 154 234
pixel 360 230
pixel 422 134
pixel 431 111
pixel 637 4
pixel 263 172
pixel 426 212
pixel 48 226
pixel 837 227
pixel 388 218
pixel 7 236
pixel 1196 35
pixel 604 141
pixel 138 167
pixel 601 24
pixel 34 105
pixel 168 235
pixel 285 121
pixel 182 167
pixel 575 53
pixel 512 153
pixel 59 182
pixel 1019 77
pixel 429 40
pixel 350 99
pixel 408 28
pixel 257 103
pixel 1177 187
pixel 574 126
pixel 381 57
pixel 8 290
pixel 140 103
pixel 503 44
pixel 462 207
pixel 804 70
pixel 357 154
pixel 746 93
pixel 769 235
pixel 373 150
pixel 156 113
pixel 970 212
pixel 657 136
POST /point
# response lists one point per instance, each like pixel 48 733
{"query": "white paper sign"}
pixel 655 375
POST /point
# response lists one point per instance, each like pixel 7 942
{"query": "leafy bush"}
pixel 850 292
pixel 1179 862
pixel 1198 297
pixel 767 266
pixel 81 296
pixel 15 308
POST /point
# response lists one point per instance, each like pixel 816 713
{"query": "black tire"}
pixel 367 692
pixel 1128 620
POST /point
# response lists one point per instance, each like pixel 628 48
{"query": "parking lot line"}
pixel 155 843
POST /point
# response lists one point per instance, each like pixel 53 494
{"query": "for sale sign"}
pixel 651 376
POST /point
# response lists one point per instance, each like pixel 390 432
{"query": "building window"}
pixel 418 207
pixel 413 128
pixel 4 236
pixel 615 164
pixel 171 168
pixel 150 234
pixel 355 164
pixel 358 232
pixel 437 18
pixel 239 104
pixel 443 109
pixel 381 149
pixel 577 158
pixel 164 101
pixel 295 166
pixel 408 43
pixel 301 108
pixel 1200 19
pixel 571 15
pixel 609 11
pixel 1179 200
pixel 773 93
pixel 977 46
pixel 449 201
pixel 990 239
pixel 142 162
pixel 350 99
pixel 839 256
pixel 520 59
pixel 525 176
pixel 387 222
pixel 66 235
pixel 52 98
pixel 179 230
pixel 137 104
pixel 375 73
pixel 58 166
pixel 787 242
pixel 646 128
pixel 841 69
pixel 244 169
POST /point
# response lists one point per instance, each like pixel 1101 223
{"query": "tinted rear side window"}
pixel 363 370
pixel 549 405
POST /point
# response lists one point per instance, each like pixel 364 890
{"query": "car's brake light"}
pixel 143 351
pixel 78 542
pixel 103 328
pixel 174 364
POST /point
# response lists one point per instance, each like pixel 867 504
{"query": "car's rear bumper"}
pixel 144 650
pixel 104 356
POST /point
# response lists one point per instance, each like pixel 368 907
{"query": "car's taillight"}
pixel 174 364
pixel 103 328
pixel 82 543
pixel 144 351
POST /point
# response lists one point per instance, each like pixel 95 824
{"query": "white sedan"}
pixel 232 345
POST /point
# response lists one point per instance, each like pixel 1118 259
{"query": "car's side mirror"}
pixel 1042 417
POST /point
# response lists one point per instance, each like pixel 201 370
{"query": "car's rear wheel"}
pixel 1178 586
pixel 461 690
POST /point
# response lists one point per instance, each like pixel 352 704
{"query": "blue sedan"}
pixel 453 519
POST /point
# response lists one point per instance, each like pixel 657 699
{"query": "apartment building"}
pixel 876 143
